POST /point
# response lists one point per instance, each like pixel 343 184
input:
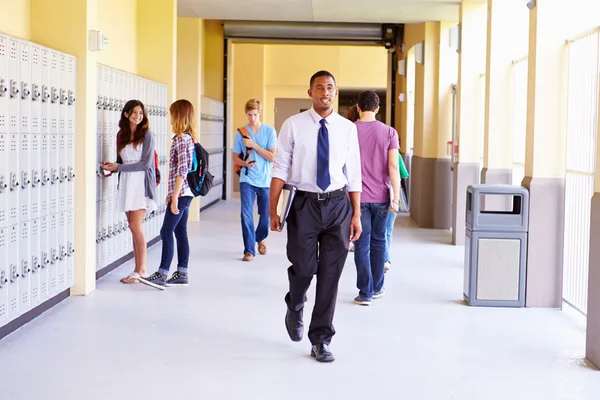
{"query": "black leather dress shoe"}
pixel 294 324
pixel 321 353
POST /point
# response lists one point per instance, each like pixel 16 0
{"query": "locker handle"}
pixel 71 249
pixel 55 177
pixel 35 94
pixel 71 173
pixel 45 177
pixel 3 88
pixel 54 257
pixel 71 97
pixel 25 180
pixel 14 183
pixel 100 103
pixel 26 270
pixel 54 95
pixel 14 89
pixel 24 91
pixel 35 178
pixel 45 259
pixel 99 237
pixel 3 184
pixel 45 94
pixel 63 174
pixel 3 279
pixel 35 263
pixel 14 273
pixel 63 96
pixel 62 252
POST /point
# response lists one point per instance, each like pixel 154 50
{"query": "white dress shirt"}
pixel 296 158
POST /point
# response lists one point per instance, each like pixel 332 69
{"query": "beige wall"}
pixel 118 20
pixel 15 18
pixel 212 84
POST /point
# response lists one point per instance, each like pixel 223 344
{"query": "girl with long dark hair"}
pixel 137 178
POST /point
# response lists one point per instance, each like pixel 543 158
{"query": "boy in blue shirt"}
pixel 255 177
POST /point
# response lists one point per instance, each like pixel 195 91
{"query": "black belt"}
pixel 322 196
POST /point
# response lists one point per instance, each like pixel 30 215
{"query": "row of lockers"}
pixel 115 88
pixel 37 131
pixel 37 174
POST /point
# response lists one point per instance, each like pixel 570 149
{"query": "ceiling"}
pixel 367 11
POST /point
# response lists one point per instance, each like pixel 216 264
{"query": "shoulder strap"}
pixel 245 134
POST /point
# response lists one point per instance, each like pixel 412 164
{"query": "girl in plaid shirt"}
pixel 179 197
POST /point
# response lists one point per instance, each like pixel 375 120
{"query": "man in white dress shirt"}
pixel 318 153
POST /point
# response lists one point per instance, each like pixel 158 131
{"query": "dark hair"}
pixel 353 114
pixel 124 135
pixel 319 74
pixel 368 101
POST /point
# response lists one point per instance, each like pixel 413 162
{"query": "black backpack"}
pixel 199 178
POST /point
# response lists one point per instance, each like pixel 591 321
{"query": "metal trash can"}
pixel 496 247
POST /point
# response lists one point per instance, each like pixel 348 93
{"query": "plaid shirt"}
pixel 180 162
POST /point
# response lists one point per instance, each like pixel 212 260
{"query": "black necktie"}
pixel 323 178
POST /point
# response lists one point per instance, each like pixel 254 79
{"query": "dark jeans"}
pixel 369 249
pixel 318 236
pixel 247 195
pixel 175 224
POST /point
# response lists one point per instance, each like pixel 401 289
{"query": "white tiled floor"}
pixel 223 337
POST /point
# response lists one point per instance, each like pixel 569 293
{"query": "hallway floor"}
pixel 223 337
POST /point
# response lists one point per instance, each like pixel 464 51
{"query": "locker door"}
pixel 62 132
pixel 34 157
pixel 44 166
pixel 4 282
pixel 71 86
pixel 54 135
pixel 62 93
pixel 4 136
pixel 24 268
pixel 53 254
pixel 13 130
pixel 62 251
pixel 24 130
pixel 99 237
pixel 44 258
pixel 71 65
pixel 13 272
pixel 34 250
pixel 70 263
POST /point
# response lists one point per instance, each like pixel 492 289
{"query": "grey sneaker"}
pixel 178 279
pixel 361 300
pixel 380 294
pixel 156 280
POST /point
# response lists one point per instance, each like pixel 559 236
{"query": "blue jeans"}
pixel 248 193
pixel 175 224
pixel 369 249
pixel 389 230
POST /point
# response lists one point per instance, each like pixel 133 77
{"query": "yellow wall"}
pixel 117 19
pixel 269 71
pixel 212 82
pixel 248 75
pixel 157 42
pixel 14 18
pixel 353 67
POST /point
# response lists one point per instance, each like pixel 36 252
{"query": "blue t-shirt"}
pixel 260 174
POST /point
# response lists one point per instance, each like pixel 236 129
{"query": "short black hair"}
pixel 368 101
pixel 319 74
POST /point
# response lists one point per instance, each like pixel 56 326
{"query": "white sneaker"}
pixel 386 266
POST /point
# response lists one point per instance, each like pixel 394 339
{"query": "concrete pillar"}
pixel 545 156
pixel 68 32
pixel 430 184
pixel 507 30
pixel 190 65
pixel 471 65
